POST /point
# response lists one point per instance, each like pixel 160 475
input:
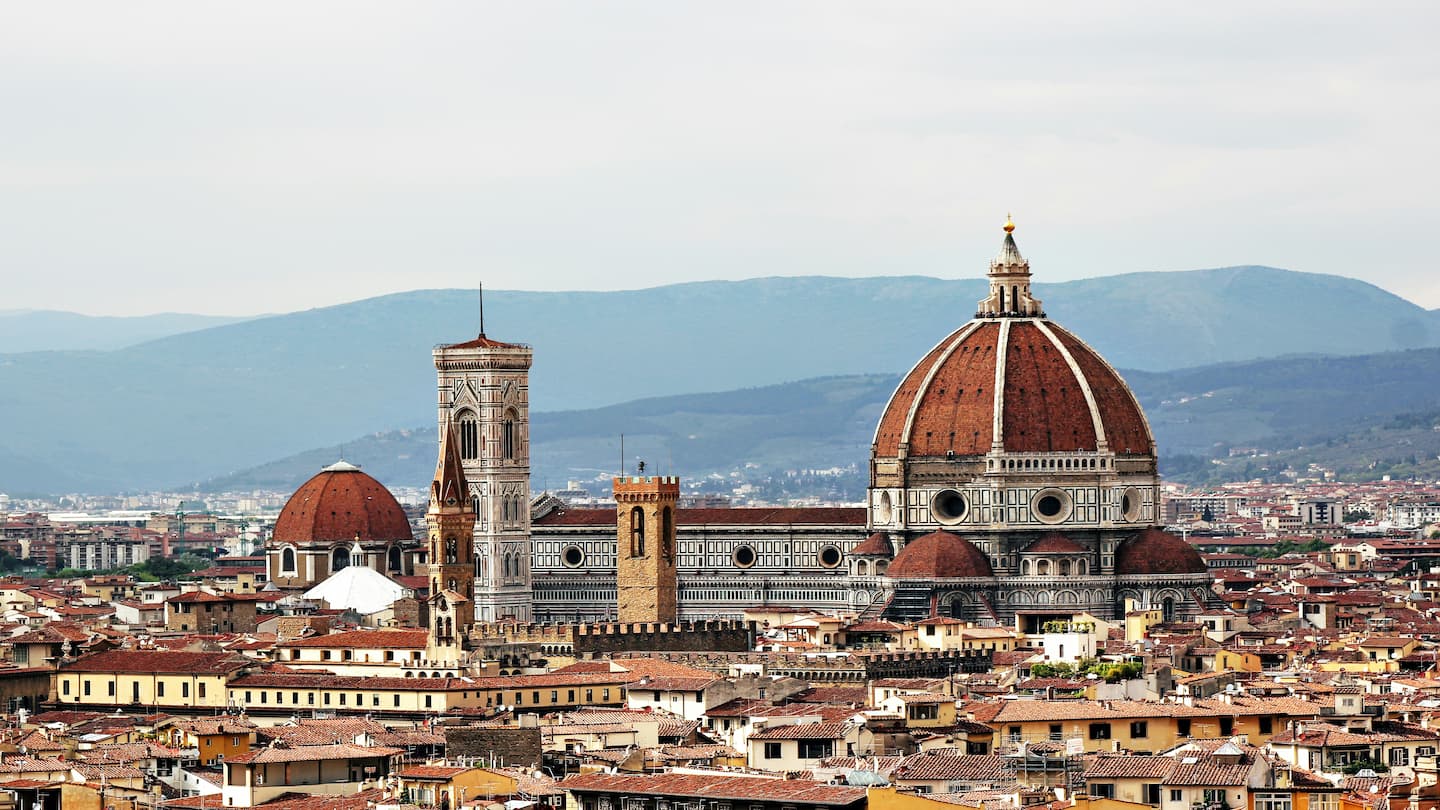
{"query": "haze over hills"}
pixel 1363 415
pixel 48 330
pixel 193 406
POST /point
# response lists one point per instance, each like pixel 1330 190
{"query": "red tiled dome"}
pixel 947 401
pixel 1055 543
pixel 876 545
pixel 341 503
pixel 1155 551
pixel 939 555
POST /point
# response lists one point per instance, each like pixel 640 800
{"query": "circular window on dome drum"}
pixel 1051 505
pixel 573 557
pixel 744 556
pixel 830 557
pixel 949 507
pixel 1130 505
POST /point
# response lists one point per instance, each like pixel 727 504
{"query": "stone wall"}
pixel 712 636
pixel 518 747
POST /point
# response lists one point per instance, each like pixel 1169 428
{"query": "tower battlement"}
pixel 640 485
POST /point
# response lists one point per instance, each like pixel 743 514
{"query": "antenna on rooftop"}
pixel 622 455
pixel 482 307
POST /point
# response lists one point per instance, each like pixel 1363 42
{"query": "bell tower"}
pixel 484 394
pixel 451 523
pixel 645 553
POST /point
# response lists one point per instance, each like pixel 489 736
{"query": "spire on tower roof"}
pixel 449 485
pixel 1009 251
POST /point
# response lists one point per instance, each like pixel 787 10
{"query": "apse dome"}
pixel 1155 551
pixel 940 555
pixel 341 503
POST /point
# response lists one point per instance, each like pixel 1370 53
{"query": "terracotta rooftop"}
pixel 742 788
pixel 876 545
pixel 1054 543
pixel 312 753
pixel 158 661
pixel 340 504
pixel 1155 551
pixel 940 555
pixel 364 639
pixel 947 401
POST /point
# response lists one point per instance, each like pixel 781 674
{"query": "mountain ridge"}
pixel 1198 416
pixel 188 407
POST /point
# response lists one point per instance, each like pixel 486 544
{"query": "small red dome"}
pixel 1155 551
pixel 1055 543
pixel 876 545
pixel 341 503
pixel 940 555
pixel 1055 390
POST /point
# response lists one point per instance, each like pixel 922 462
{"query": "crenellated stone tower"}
pixel 645 578
pixel 484 395
pixel 451 550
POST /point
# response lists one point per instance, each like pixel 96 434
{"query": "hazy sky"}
pixel 246 157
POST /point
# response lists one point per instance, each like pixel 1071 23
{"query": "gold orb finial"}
pixel 1009 224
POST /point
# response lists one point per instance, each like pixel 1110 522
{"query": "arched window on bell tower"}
pixel 469 435
pixel 637 532
pixel 507 435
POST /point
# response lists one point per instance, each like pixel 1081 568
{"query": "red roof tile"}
pixel 940 555
pixel 946 402
pixel 158 661
pixel 1155 551
pixel 338 506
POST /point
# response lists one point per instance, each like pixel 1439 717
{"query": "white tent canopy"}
pixel 358 588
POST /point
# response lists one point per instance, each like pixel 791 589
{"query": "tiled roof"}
pixel 482 342
pixel 312 753
pixel 338 506
pixel 940 555
pixel 146 661
pixel 954 767
pixel 364 639
pixel 947 401
pixel 1208 770
pixel 1054 543
pixel 1155 551
pixel 431 771
pixel 741 788
pixel 1128 766
pixel 801 731
pixel 322 680
pixel 876 545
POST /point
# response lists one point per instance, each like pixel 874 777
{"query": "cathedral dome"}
pixel 341 503
pixel 1055 395
pixel 1155 551
pixel 940 555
